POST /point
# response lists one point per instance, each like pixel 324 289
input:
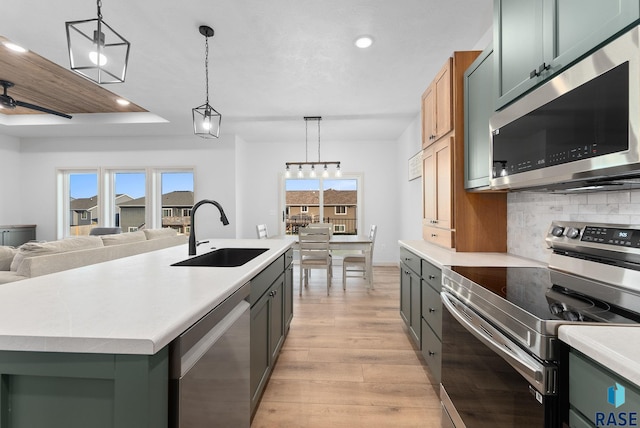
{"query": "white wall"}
pixel 262 165
pixel 11 196
pixel 410 192
pixel 213 160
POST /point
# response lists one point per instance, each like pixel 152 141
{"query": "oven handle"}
pixel 531 369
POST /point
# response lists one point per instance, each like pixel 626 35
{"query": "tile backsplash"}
pixel 530 214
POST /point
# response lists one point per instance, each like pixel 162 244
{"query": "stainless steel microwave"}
pixel 579 130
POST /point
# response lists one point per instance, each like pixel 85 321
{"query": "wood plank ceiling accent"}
pixel 44 83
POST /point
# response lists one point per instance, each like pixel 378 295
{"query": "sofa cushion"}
pixel 7 276
pixel 159 233
pixel 6 257
pixel 31 249
pixel 123 238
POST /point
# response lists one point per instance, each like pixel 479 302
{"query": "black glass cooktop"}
pixel 532 290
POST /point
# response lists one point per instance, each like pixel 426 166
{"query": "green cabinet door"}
pixel 518 34
pixel 260 353
pixel 405 293
pixel 535 39
pixel 479 104
pixel 62 390
pixel 584 25
pixel 415 325
pixel 276 319
pixel 288 297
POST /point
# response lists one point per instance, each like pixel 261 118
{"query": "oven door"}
pixel 488 380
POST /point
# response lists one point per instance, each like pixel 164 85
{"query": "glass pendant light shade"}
pixel 206 121
pixel 97 51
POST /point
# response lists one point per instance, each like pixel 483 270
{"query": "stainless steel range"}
pixel 501 362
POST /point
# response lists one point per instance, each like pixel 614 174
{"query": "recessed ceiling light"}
pixel 14 47
pixel 123 102
pixel 364 42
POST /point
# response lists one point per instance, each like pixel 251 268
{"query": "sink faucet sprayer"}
pixel 192 231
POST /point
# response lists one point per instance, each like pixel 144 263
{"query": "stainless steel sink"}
pixel 223 257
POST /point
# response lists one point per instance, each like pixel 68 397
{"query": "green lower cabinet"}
pixel 599 397
pixel 51 390
pixel 271 313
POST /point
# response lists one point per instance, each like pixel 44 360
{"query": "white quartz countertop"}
pixel 614 347
pixel 133 305
pixel 444 257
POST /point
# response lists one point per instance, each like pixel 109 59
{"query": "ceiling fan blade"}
pixel 42 109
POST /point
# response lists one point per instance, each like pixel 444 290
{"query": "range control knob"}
pixel 572 233
pixel 557 231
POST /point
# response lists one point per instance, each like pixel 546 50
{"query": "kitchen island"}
pixel 89 346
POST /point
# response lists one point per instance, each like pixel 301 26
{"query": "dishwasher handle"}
pixel 193 354
pixel 186 349
pixel 541 377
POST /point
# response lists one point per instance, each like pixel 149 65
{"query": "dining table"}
pixel 352 243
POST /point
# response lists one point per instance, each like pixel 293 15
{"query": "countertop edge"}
pixel 443 257
pixel 614 347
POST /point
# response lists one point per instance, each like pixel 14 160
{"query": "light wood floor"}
pixel 348 361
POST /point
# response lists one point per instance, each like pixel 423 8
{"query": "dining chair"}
pixel 358 262
pixel 261 229
pixel 314 253
pixel 324 225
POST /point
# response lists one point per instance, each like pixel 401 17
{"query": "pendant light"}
pixel 206 120
pixel 97 51
pixel 322 164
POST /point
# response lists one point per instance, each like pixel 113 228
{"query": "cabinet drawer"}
pixel 288 258
pixel 411 260
pixel 435 235
pixel 432 308
pixel 432 351
pixel 262 281
pixel 589 385
pixel 432 274
pixel 577 421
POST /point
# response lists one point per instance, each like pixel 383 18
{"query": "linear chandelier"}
pixel 322 164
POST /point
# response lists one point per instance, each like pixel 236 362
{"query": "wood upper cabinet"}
pixel 453 217
pixel 436 107
pixel 437 196
pixel 534 40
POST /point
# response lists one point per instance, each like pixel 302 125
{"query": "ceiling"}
pixel 270 64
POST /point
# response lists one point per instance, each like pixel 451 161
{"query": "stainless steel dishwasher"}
pixel 210 368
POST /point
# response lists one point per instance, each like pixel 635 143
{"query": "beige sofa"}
pixel 40 258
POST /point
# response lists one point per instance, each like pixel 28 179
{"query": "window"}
pixel 78 202
pixel 322 200
pixel 177 194
pixel 132 199
pixel 129 199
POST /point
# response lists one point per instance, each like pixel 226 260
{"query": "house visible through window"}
pixel 322 200
pixel 78 203
pixel 118 197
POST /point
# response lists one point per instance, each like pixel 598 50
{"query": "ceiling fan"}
pixel 7 102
